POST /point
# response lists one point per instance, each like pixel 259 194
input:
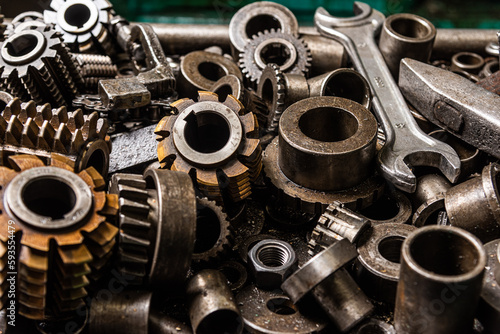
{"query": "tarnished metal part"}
pixel 441 274
pixel 95 68
pixel 199 70
pixel 377 266
pixel 162 324
pixel 428 199
pixel 491 83
pixel 272 312
pixel 466 61
pixel 392 207
pixel 61 247
pixel 441 96
pixel 474 205
pixel 450 41
pixel 24 21
pixel 309 161
pixel 406 36
pixel 331 286
pixel 235 273
pixel 488 311
pixel 489 68
pixel 374 325
pixel 157 226
pixel 274 46
pixel 212 307
pixel 271 262
pixel 216 141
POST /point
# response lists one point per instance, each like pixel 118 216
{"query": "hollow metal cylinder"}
pixel 212 307
pixel 406 36
pixel 488 311
pixel 428 199
pixel 467 61
pixel 440 281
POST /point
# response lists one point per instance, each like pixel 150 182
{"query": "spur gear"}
pixel 215 143
pixel 290 53
pixel 36 65
pixel 83 24
pixel 61 231
pixel 272 90
pixel 26 128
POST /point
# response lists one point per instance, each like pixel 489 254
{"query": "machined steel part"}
pixel 331 286
pixel 25 20
pixel 290 53
pixel 488 311
pixel 440 281
pixel 406 36
pixel 324 153
pixel 271 262
pixel 214 142
pixel 491 82
pixel 378 264
pixel 95 68
pixel 213 231
pixel 212 306
pixel 474 205
pixel 61 228
pixel 374 325
pixel 428 199
pixel 466 61
pixel 392 207
pixel 157 220
pixel 489 68
pixel 39 130
pixel 36 65
pixel 235 273
pixel 83 24
pixel 200 70
pixel 272 312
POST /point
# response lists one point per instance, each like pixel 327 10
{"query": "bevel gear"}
pixel 274 46
pixel 36 65
pixel 83 24
pixel 26 128
pixel 59 219
pixel 215 143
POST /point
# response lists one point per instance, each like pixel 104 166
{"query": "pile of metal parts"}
pixel 257 178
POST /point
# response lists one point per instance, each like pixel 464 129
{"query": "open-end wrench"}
pixel 406 145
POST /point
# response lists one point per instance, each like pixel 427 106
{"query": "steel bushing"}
pixel 428 199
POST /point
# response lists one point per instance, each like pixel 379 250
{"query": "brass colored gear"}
pixel 61 231
pixel 26 128
pixel 214 142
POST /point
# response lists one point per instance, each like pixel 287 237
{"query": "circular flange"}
pixel 27 192
pixel 78 16
pixel 23 47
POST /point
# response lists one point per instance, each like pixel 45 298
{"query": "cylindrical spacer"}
pixel 406 36
pixel 428 199
pixel 440 281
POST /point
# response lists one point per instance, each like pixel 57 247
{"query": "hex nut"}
pixel 271 261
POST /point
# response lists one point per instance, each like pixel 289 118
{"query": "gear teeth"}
pixel 95 68
pixel 276 107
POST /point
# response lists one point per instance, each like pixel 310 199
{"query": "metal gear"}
pixel 213 231
pixel 274 46
pixel 215 143
pixel 36 65
pixel 272 90
pixel 95 68
pixel 83 24
pixel 24 21
pixel 26 128
pixel 61 229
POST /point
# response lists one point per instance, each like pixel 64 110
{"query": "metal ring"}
pixel 292 53
pixel 93 16
pixel 37 46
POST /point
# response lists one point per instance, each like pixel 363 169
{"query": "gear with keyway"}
pixel 215 142
pixel 58 219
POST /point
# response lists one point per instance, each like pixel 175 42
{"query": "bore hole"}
pixel 207 230
pixel 371 329
pixel 206 132
pixel 347 85
pixel 281 306
pixel 97 160
pixel 385 208
pixel 22 45
pixel 328 124
pixel 221 321
pixel 444 252
pixel 231 273
pixel 223 91
pixel 260 23
pixel 276 52
pixel 470 59
pixel 77 15
pixel 211 71
pixel 49 197
pixel 273 255
pixel 390 248
pixel 410 28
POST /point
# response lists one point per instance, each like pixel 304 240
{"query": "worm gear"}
pixel 215 143
pixel 26 128
pixel 95 68
pixel 36 65
pixel 58 219
pixel 274 46
pixel 83 24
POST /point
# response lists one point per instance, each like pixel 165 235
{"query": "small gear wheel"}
pixel 213 231
pixel 215 142
pixel 83 24
pixel 36 65
pixel 39 130
pixel 57 218
pixel 290 53
pixel 272 90
pixel 24 21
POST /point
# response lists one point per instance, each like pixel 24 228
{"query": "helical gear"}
pixel 26 128
pixel 36 65
pixel 56 255
pixel 296 60
pixel 215 143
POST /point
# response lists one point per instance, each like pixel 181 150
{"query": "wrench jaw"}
pixel 362 12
